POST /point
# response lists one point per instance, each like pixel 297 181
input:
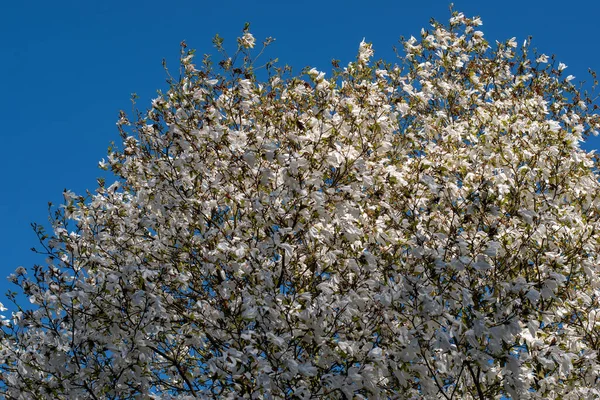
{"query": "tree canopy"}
pixel 425 229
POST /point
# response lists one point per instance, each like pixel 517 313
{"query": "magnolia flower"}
pixel 365 52
pixel 247 40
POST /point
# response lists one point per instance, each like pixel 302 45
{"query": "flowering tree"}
pixel 429 230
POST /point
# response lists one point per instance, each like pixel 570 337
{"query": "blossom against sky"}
pixel 68 68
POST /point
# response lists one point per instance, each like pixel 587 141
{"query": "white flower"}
pixel 365 52
pixel 247 40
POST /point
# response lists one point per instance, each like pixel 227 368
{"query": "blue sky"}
pixel 68 67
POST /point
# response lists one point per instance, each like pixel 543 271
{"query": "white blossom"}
pixel 247 40
pixel 424 230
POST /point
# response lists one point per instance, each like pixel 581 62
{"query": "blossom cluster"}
pixel 424 230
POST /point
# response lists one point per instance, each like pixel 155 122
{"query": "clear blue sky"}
pixel 68 67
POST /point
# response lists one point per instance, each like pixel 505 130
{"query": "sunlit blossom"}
pixel 426 230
